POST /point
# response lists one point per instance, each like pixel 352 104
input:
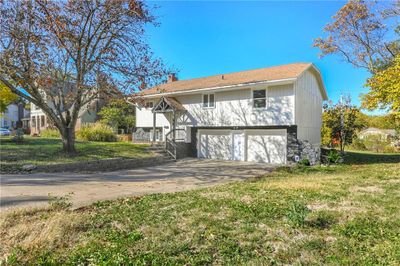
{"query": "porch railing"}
pixel 171 138
pixel 178 133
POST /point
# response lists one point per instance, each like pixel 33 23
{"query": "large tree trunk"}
pixel 68 140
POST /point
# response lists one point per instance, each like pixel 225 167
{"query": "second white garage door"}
pixel 268 146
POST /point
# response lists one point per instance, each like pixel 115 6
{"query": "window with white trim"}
pixel 149 105
pixel 209 100
pixel 260 98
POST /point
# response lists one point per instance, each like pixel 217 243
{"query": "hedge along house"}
pixel 270 115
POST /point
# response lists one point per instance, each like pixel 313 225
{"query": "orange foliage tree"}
pixel 63 55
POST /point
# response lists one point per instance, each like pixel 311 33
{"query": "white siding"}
pixel 234 108
pixel 144 118
pixel 308 105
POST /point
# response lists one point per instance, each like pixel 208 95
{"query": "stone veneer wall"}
pixel 301 148
pixel 143 134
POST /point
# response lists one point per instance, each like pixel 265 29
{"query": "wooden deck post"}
pixel 154 127
pixel 174 125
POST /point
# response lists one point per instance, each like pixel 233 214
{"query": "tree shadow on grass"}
pixel 370 158
pixel 48 150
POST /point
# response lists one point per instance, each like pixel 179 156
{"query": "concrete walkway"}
pixel 33 189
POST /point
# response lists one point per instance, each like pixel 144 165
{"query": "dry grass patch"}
pixel 366 189
pixel 293 184
pixel 308 215
pixel 33 229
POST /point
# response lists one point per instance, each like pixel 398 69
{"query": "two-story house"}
pixel 261 115
pixel 14 115
pixel 87 114
pixel 40 122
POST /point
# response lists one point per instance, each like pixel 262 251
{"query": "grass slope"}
pixel 348 214
pixel 47 151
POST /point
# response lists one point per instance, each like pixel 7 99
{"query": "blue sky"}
pixel 206 38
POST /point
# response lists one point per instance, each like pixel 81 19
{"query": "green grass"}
pixel 337 215
pixel 38 151
pixel 367 157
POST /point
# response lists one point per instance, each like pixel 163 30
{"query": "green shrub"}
pixel 358 144
pixel 334 156
pixel 50 133
pixel 305 162
pixel 373 143
pixel 96 132
pixel 297 214
pixel 389 149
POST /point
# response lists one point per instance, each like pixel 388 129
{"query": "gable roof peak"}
pixel 273 73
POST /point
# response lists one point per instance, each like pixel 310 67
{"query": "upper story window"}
pixel 259 98
pixel 208 100
pixel 149 105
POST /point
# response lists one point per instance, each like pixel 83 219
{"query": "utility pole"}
pixel 342 131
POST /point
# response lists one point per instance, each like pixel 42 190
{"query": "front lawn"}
pixel 340 215
pixel 36 150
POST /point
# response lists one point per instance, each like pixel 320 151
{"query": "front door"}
pixel 158 135
pixel 238 146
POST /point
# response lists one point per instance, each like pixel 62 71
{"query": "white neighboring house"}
pixel 87 114
pixel 40 122
pixel 257 115
pixel 12 115
pixel 385 134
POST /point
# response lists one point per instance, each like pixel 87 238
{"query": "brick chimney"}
pixel 172 78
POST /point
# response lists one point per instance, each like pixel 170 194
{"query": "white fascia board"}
pixel 225 88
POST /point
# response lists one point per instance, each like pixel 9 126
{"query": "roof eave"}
pixel 222 88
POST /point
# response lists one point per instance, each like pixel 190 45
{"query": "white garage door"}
pixel 268 146
pixel 215 144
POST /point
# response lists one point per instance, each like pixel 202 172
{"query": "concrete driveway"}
pixel 33 189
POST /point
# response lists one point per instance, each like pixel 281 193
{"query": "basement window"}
pixel 208 100
pixel 259 98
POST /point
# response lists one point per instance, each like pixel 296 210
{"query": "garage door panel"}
pixel 203 146
pixel 215 145
pixel 219 147
pixel 266 148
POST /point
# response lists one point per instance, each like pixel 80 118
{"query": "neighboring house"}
pixel 12 117
pixel 385 134
pixel 26 120
pixel 39 120
pixel 88 113
pixel 263 115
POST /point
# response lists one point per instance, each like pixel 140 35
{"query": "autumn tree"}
pixel 360 36
pixel 367 35
pixel 6 97
pixel 341 122
pixel 384 88
pixel 63 55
